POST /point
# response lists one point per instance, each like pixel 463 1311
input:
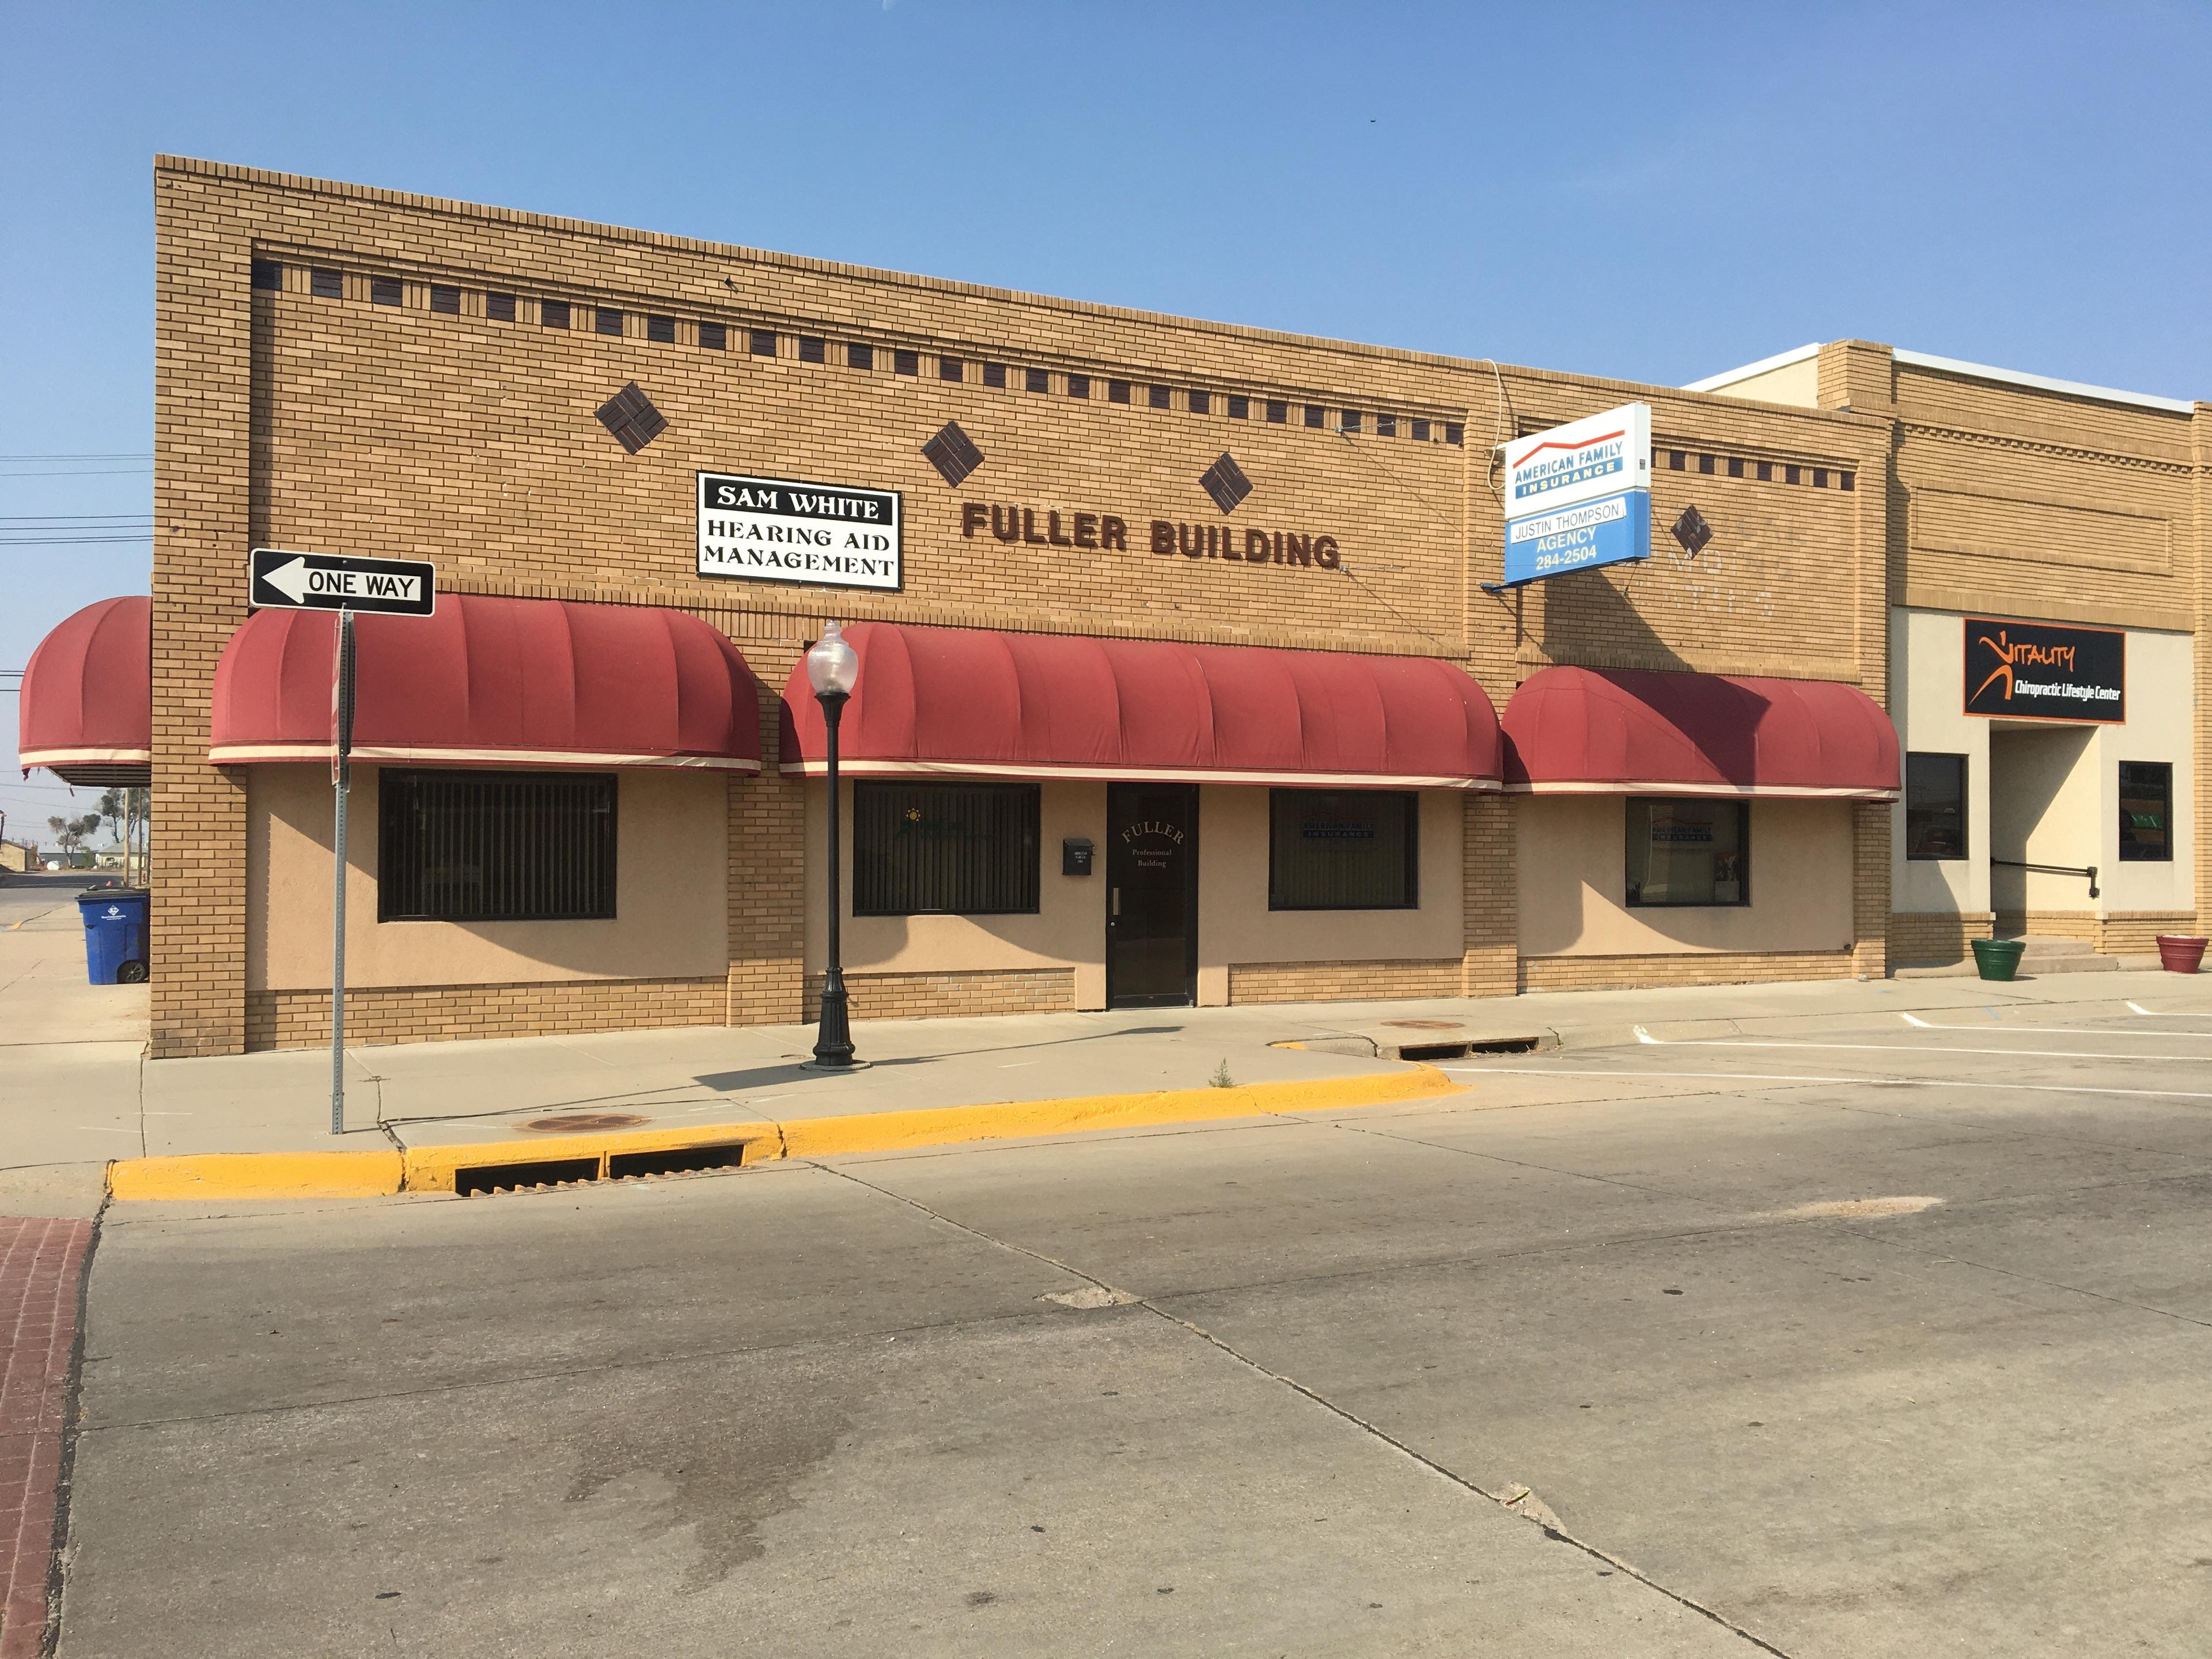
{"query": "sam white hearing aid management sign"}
pixel 781 529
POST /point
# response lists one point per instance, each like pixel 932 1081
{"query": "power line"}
pixel 100 455
pixel 69 541
pixel 46 521
pixel 80 472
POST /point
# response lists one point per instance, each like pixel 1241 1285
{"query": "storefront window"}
pixel 2146 811
pixel 1934 806
pixel 965 849
pixel 495 846
pixel 1689 852
pixel 1342 850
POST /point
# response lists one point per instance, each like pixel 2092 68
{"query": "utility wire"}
pixel 67 541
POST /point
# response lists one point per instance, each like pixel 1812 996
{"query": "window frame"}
pixel 1033 829
pixel 392 779
pixel 2165 855
pixel 1741 902
pixel 1412 854
pixel 1965 824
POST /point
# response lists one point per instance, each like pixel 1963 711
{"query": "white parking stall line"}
pixel 2060 1030
pixel 1868 1082
pixel 1642 1035
pixel 2168 1013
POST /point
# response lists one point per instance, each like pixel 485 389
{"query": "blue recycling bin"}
pixel 114 937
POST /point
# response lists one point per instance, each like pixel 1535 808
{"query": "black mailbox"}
pixel 1075 856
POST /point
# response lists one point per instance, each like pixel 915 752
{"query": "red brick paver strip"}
pixel 41 1263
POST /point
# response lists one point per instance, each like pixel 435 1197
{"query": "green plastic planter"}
pixel 1997 958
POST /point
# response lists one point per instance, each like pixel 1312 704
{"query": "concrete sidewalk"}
pixel 76 1095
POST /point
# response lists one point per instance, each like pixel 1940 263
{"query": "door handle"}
pixel 1114 903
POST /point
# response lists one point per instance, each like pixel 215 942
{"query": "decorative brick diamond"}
pixel 630 416
pixel 1226 482
pixel 952 453
pixel 1693 531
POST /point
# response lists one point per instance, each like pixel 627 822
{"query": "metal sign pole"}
pixel 342 781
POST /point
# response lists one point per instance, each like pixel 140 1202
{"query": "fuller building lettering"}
pixel 1109 532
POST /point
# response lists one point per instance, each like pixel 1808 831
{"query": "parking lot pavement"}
pixel 1891 1340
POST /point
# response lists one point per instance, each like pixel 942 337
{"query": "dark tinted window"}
pixel 713 336
pixel 763 342
pixel 500 307
pixel 1035 379
pixel 949 368
pixel 446 298
pixel 495 846
pixel 326 284
pixel 995 375
pixel 859 356
pixel 2146 811
pixel 1159 396
pixel 267 274
pixel 1079 385
pixel 1117 392
pixel 1354 850
pixel 967 849
pixel 662 329
pixel 384 291
pixel 553 313
pixel 1934 806
pixel 813 349
pixel 606 320
pixel 1688 851
pixel 906 362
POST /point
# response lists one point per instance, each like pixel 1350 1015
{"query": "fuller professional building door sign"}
pixel 780 530
pixel 2040 672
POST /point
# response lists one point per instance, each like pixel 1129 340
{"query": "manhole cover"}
pixel 1422 1024
pixel 580 1123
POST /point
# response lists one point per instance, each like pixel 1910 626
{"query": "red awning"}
pixel 86 709
pixel 1620 731
pixel 493 681
pixel 965 703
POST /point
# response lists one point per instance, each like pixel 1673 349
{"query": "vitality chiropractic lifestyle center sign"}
pixel 1579 496
pixel 2040 672
pixel 781 529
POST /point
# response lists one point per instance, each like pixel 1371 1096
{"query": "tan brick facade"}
pixel 291 416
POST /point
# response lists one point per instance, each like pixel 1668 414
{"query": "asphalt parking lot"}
pixel 1890 1339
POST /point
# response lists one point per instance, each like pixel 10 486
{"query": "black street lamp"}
pixel 833 667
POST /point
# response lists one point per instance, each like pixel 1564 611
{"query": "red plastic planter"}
pixel 2177 954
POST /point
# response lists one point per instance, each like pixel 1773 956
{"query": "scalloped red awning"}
pixel 87 709
pixel 1622 731
pixel 966 703
pixel 493 681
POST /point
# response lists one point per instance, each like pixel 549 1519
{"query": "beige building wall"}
pixel 671 908
pixel 2046 792
pixel 1573 892
pixel 1068 934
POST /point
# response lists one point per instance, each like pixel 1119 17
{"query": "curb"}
pixel 224 1176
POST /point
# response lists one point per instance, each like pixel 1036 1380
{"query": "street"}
pixel 1884 1339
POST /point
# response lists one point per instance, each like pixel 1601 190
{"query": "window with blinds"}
pixel 967 849
pixel 1351 849
pixel 495 846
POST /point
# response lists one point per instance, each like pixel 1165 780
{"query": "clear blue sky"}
pixel 1652 192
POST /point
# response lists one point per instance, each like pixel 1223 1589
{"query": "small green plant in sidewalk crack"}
pixel 1221 1079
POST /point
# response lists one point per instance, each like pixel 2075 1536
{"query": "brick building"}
pixel 1207 600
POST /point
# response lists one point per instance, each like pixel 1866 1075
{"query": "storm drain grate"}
pixel 1433 1051
pixel 520 1177
pixel 539 1173
pixel 679 1160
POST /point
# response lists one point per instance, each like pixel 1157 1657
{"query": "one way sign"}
pixel 282 580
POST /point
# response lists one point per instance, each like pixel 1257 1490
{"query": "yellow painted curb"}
pixel 431 1169
pixel 887 1131
pixel 257 1174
